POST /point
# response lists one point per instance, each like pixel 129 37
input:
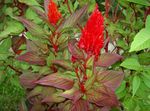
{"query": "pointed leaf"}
pixel 108 59
pixel 73 19
pixel 36 46
pixel 80 105
pixel 131 63
pixel 62 63
pixel 102 96
pixel 90 62
pixel 12 27
pixel 141 40
pixel 17 42
pixel 141 2
pixel 30 2
pixel 147 22
pixel 135 84
pixel 32 58
pixel 27 79
pixel 33 28
pixel 46 2
pixel 111 79
pixel 72 94
pixel 5 45
pixel 74 50
pixel 40 13
pixel 56 81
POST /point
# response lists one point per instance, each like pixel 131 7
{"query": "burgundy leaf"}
pixel 32 58
pixel 56 81
pixel 17 42
pixel 111 79
pixel 63 64
pixel 80 105
pixel 33 28
pixel 74 50
pixel 27 79
pixel 73 19
pixel 102 96
pixel 36 46
pixel 107 59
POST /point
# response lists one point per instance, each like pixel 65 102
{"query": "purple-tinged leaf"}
pixel 111 79
pixel 108 59
pixel 72 94
pixel 33 28
pixel 27 79
pixel 102 96
pixel 41 14
pixel 53 98
pixel 62 63
pixel 80 105
pixel 73 19
pixel 17 42
pixel 105 108
pixel 38 47
pixel 32 58
pixel 46 2
pixel 74 50
pixel 56 81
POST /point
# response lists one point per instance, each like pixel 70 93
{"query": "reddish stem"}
pixel 66 1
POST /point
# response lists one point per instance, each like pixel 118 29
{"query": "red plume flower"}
pixel 53 14
pixel 92 37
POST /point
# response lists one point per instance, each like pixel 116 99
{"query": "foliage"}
pixel 66 55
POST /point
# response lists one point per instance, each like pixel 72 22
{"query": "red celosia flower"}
pixel 53 14
pixel 92 38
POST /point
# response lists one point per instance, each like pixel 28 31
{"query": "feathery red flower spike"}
pixel 92 37
pixel 53 14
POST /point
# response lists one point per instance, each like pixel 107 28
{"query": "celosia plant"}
pixel 73 73
pixel 53 14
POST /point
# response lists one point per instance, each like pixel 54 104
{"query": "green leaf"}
pixel 148 22
pixel 132 64
pixel 31 15
pixel 50 58
pixel 135 84
pixel 13 27
pixel 35 38
pixel 4 48
pixel 146 79
pixel 141 2
pixel 30 2
pixel 144 58
pixel 141 41
pixel 121 87
pixel 90 62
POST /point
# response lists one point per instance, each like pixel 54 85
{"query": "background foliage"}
pixel 127 24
